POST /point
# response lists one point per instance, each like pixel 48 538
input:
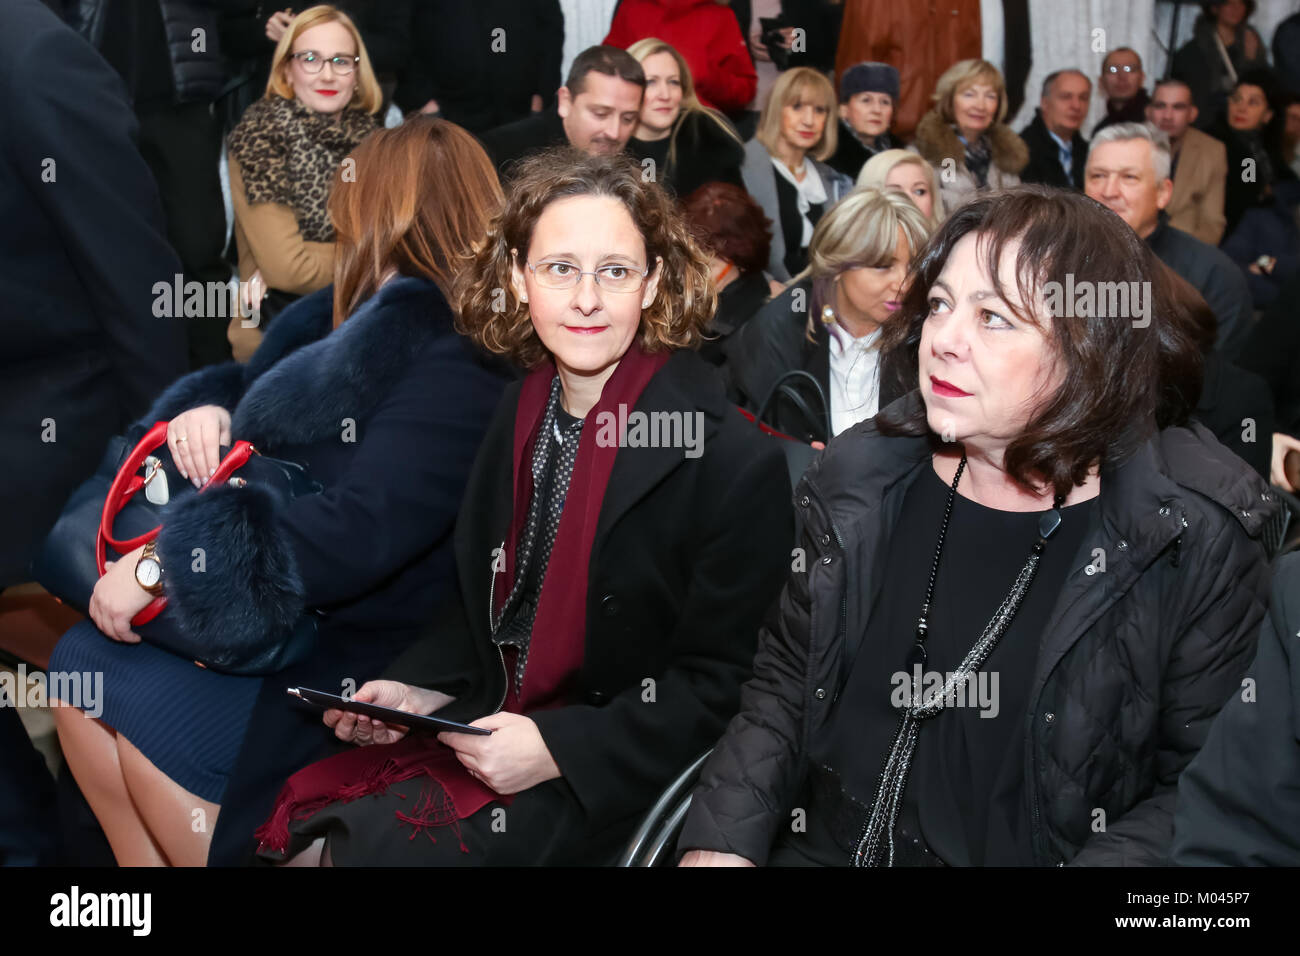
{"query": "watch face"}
pixel 148 572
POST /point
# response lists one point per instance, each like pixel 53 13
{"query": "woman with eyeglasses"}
pixel 624 530
pixel 320 103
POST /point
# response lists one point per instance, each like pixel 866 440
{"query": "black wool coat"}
pixel 1132 668
pixel 82 351
pixel 706 153
pixel 688 554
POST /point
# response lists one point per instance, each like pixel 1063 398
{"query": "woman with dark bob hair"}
pixel 624 531
pixel 1035 538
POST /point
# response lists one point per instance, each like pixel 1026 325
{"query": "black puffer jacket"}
pixel 1132 669
pixel 197 74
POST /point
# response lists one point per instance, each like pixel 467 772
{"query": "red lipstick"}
pixel 946 389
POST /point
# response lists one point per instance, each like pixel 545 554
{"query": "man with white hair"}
pixel 1128 172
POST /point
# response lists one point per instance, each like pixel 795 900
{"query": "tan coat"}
pixel 1197 203
pixel 268 238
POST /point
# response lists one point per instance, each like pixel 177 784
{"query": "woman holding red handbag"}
pixel 371 389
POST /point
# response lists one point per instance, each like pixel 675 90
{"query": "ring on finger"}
pixel 182 438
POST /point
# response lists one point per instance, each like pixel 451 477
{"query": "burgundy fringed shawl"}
pixel 558 638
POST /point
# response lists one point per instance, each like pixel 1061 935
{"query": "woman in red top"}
pixel 706 33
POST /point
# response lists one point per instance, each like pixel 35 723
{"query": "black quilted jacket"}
pixel 1132 669
pixel 197 74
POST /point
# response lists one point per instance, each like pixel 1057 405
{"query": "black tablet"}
pixel 388 715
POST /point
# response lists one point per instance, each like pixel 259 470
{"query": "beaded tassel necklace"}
pixel 875 844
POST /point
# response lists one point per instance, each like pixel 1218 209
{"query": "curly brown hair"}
pixel 489 312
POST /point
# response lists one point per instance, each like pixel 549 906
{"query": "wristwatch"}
pixel 148 570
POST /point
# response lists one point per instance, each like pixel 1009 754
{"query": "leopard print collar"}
pixel 288 154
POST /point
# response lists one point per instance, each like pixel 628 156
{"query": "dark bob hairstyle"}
pixel 1121 381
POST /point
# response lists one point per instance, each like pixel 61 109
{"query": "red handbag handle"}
pixel 125 485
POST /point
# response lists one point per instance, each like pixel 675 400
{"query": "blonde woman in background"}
pixel 320 103
pixel 690 143
pixel 965 136
pixel 784 168
pixel 828 320
pixel 906 171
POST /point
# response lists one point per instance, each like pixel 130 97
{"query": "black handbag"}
pixel 109 509
pixel 273 303
pixel 798 454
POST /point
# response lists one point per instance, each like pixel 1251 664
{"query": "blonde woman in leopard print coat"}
pixel 284 156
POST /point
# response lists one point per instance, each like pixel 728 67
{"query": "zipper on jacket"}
pixel 1038 823
pixel 843 629
pixel 492 631
pixel 844 593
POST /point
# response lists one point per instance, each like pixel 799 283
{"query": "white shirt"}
pixel 855 378
pixel 809 192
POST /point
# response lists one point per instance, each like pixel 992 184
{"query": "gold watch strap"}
pixel 151 552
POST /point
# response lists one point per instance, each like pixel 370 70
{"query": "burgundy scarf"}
pixel 556 648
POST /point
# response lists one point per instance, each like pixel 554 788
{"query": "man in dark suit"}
pixel 1057 150
pixel 596 111
pixel 82 352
